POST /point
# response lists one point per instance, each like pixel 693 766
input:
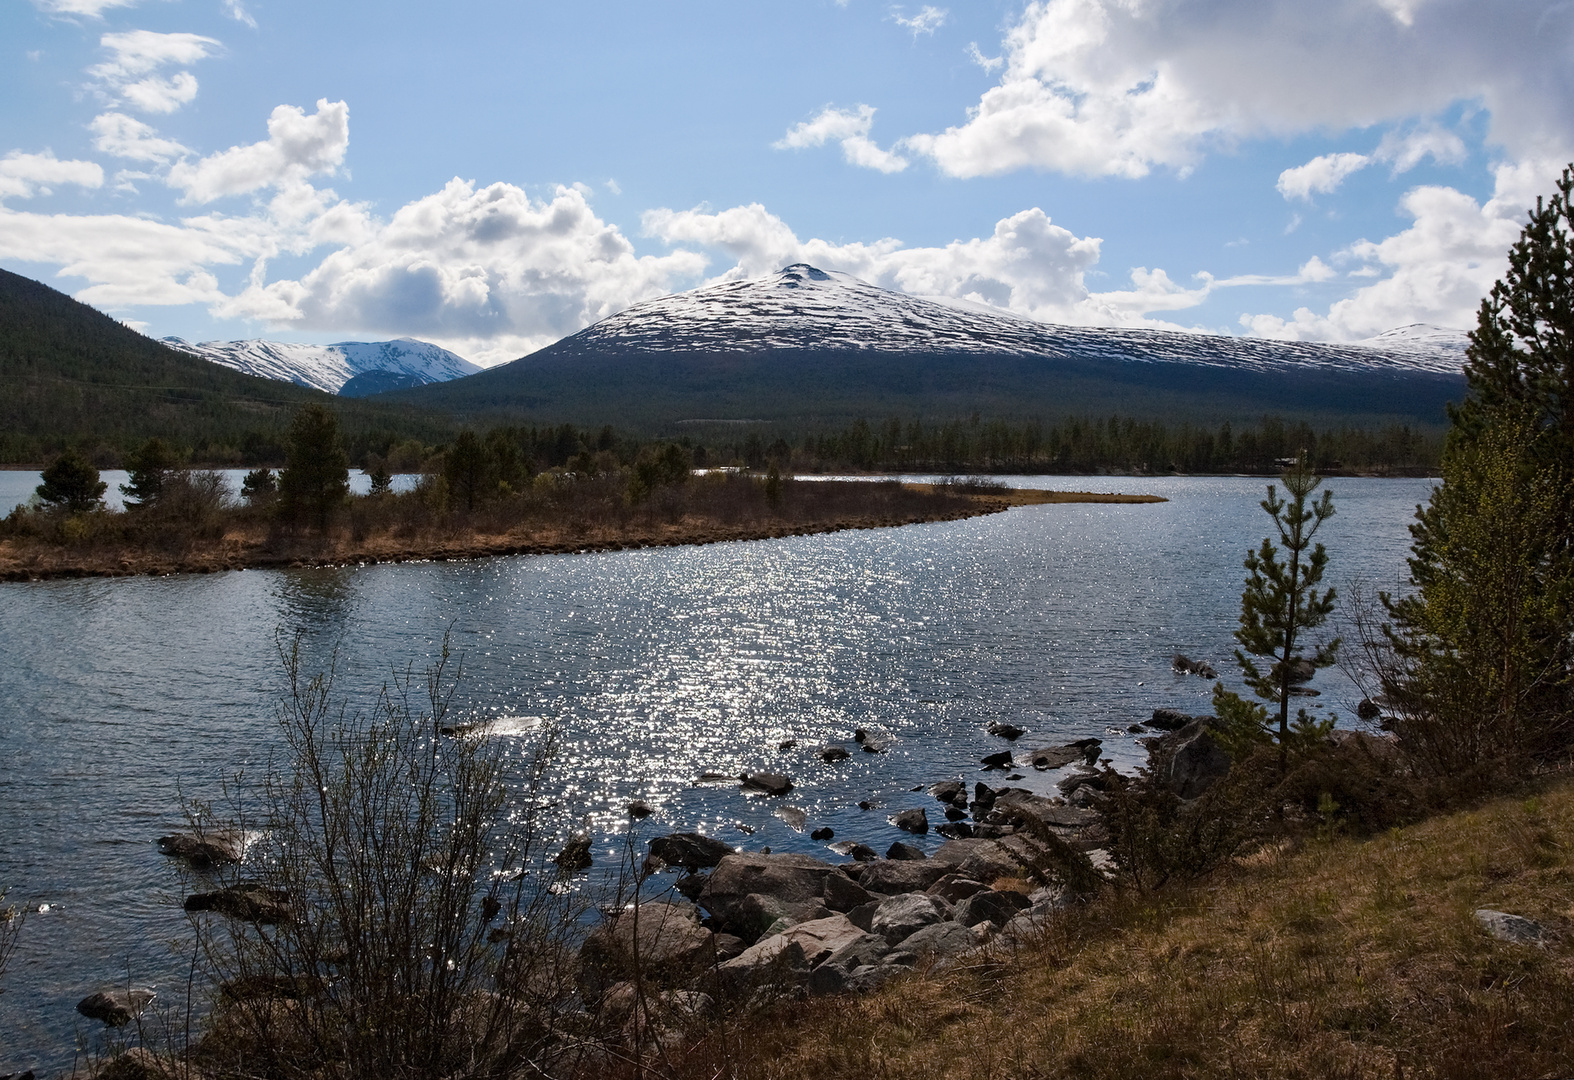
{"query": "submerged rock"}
pixel 575 855
pixel 1007 731
pixel 913 821
pixel 115 1008
pixel 203 850
pixel 248 903
pixel 766 783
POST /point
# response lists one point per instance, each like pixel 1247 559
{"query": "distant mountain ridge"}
pixel 347 368
pixel 807 345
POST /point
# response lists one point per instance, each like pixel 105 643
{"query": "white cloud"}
pixel 131 74
pixel 91 8
pixel 237 11
pixel 25 175
pixel 1435 271
pixel 126 137
pixel 1120 87
pixel 927 21
pixel 851 129
pixel 1321 175
pixel 988 63
pixel 297 146
pixel 1404 151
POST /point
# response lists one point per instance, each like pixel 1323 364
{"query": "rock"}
pixel 902 916
pixel 789 878
pixel 1169 719
pixel 873 745
pixel 794 817
pixel 116 1008
pixel 1182 666
pixel 690 886
pixel 1197 760
pixel 728 946
pixel 575 855
pixel 787 744
pixel 639 809
pixel 987 905
pixel 829 754
pixel 766 783
pixel 955 813
pixel 138 1063
pixel 760 916
pixel 715 778
pixel 832 974
pixel 955 830
pixel 668 940
pixel 826 833
pixel 1007 731
pixel 813 941
pixel 948 791
pixel 893 876
pixel 205 849
pixel 913 821
pixel 1055 757
pixel 248 903
pixel 852 849
pixel 904 852
pixel 953 888
pixel 1515 928
pixel 272 987
pixel 744 828
pixel 1001 760
pixel 1137 729
pixel 937 940
pixel 859 735
pixel 1368 709
pixel 865 804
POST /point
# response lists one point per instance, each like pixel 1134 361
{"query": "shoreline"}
pixel 252 550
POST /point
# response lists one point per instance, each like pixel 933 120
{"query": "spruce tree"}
pixel 1281 605
pixel 149 466
pixel 315 480
pixel 72 482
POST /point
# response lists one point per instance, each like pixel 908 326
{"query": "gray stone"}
pixel 639 809
pixel 913 821
pixel 831 975
pixel 247 903
pixel 825 833
pixel 116 1008
pixel 759 915
pixel 901 916
pixel 1001 760
pixel 947 791
pixel 1515 928
pixel 667 939
pixel 954 888
pixel 814 941
pixel 830 754
pixel 1169 719
pixel 1007 731
pixel 794 817
pixel 939 940
pixel 892 876
pixel 788 878
pixel 575 855
pixel 990 906
pixel 203 850
pixel 692 851
pixel 955 830
pixel 852 849
pixel 766 783
pixel 904 852
pixel 728 946
pixel 1197 761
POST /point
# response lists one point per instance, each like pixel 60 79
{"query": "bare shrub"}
pixel 393 916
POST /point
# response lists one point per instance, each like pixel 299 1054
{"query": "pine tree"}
pixel 1281 605
pixel 315 480
pixel 71 481
pixel 149 466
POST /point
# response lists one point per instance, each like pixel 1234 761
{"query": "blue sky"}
pixel 492 175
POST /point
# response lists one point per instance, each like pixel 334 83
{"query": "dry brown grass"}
pixel 1336 959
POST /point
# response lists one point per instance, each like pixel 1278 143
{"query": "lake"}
pixel 119 696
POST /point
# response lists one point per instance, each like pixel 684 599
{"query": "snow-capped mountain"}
pixel 803 307
pixel 351 368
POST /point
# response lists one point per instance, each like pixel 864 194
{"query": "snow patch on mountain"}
pixel 803 307
pixel 329 367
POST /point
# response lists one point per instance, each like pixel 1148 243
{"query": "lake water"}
pixel 118 696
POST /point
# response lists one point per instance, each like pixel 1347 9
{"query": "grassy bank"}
pixel 1334 958
pixel 555 515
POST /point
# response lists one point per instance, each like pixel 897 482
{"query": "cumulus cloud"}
pixel 130 75
pixel 488 269
pixel 1435 271
pixel 850 128
pixel 127 137
pixel 1321 175
pixel 1405 150
pixel 1120 87
pixel 297 146
pixel 927 21
pixel 25 175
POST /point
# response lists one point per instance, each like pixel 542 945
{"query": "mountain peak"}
pixel 402 362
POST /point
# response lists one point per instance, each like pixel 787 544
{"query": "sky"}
pixel 493 175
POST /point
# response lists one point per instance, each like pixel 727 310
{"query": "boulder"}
pixel 787 744
pixel 955 888
pixel 794 817
pixel 639 809
pixel 203 850
pixel 1169 719
pixel 247 903
pixel 987 905
pixel 832 975
pixel 901 916
pixel 667 939
pixel 852 849
pixel 788 878
pixel 760 916
pixel 935 941
pixel 949 791
pixel 955 813
pixel 1001 760
pixel 913 821
pixel 825 833
pixel 575 855
pixel 904 852
pixel 830 754
pixel 1515 928
pixel 728 946
pixel 1055 757
pixel 813 941
pixel 955 830
pixel 766 783
pixel 1196 761
pixel 116 1008
pixel 692 851
pixel 893 876
pixel 137 1063
pixel 1007 731
pixel 1368 709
